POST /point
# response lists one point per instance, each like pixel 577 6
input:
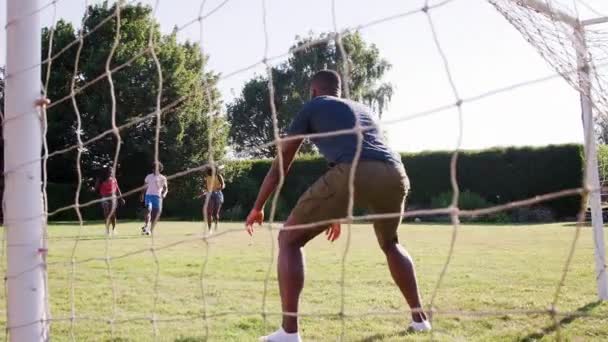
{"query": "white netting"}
pixel 552 36
pixel 559 30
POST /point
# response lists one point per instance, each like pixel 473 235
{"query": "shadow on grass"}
pixel 580 312
pixel 98 237
pixel 382 337
pixel 562 323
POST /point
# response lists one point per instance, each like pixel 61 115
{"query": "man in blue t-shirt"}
pixel 380 185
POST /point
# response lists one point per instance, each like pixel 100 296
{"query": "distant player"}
pixel 107 187
pixel 381 186
pixel 214 184
pixel 155 190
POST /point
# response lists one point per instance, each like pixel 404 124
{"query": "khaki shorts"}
pixel 380 187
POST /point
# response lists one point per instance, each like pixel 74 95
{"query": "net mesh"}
pixel 558 33
pixel 551 34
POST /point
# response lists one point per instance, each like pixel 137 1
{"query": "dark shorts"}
pixel 107 203
pixel 215 201
pixel 380 188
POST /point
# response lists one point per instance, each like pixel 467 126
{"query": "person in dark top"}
pixel 214 184
pixel 380 185
pixel 107 187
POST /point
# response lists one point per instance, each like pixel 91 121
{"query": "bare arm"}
pixel 165 189
pixel 119 193
pixel 97 184
pixel 143 191
pixel 222 182
pixel 271 181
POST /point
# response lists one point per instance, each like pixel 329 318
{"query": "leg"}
pixel 147 211
pixel 290 267
pixel 209 216
pixel 106 216
pixel 114 206
pixel 216 214
pixel 113 220
pixel 209 210
pixel 387 195
pixel 157 208
pixel 147 216
pixel 400 265
pixel 326 199
pixel 155 215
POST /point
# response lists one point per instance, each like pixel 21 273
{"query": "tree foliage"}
pixel 250 116
pixel 135 80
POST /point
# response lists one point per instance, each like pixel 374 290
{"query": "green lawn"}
pixel 496 273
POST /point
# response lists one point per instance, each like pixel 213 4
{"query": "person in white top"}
pixel 155 190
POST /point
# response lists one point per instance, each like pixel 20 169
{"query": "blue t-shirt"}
pixel 328 114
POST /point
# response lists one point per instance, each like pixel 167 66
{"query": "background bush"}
pixel 490 177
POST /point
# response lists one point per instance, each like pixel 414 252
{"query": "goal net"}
pixel 133 95
pixel 571 37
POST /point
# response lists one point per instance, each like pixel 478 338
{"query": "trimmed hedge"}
pixel 498 175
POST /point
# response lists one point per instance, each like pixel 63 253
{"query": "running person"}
pixel 155 190
pixel 107 187
pixel 327 199
pixel 214 184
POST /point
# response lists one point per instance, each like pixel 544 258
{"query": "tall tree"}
pixel 250 116
pixel 186 84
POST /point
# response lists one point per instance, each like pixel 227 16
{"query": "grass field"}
pixel 496 272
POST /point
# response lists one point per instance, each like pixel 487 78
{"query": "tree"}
pixel 250 116
pixel 183 136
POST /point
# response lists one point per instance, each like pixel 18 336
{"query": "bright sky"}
pixel 483 50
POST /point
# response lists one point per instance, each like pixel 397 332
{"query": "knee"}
pixel 388 245
pixel 288 239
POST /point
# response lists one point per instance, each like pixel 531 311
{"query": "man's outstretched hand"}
pixel 333 232
pixel 255 216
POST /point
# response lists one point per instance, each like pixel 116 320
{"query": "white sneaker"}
pixel 420 326
pixel 281 336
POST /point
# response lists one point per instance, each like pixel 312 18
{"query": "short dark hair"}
pixel 211 169
pixel 327 80
pixel 106 172
pixel 160 166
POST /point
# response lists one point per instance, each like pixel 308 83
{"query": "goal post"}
pixel 592 179
pixel 24 217
pixel 581 79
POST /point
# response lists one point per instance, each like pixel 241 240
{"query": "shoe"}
pixel 281 336
pixel 420 326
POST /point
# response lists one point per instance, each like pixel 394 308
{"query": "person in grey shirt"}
pixel 381 186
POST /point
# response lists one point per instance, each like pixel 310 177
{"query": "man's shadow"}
pixel 580 312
